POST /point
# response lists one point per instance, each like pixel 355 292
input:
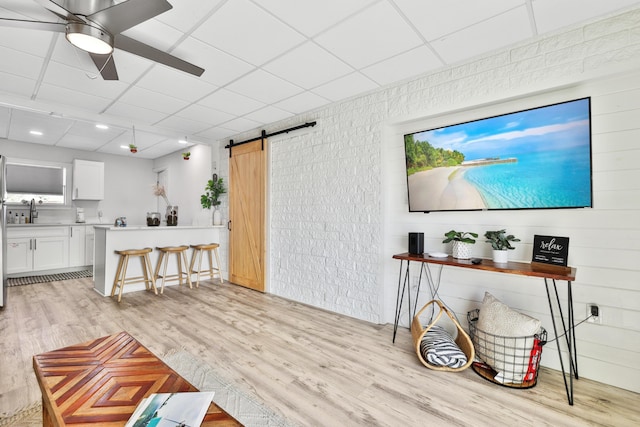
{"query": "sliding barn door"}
pixel 247 213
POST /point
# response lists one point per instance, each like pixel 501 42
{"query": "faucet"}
pixel 33 214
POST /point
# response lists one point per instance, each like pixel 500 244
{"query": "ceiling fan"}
pixel 95 26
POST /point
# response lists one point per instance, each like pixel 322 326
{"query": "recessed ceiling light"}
pixel 35 132
pixel 99 126
pixel 182 141
pixel 126 147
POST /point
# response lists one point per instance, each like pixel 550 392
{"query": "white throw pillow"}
pixel 509 346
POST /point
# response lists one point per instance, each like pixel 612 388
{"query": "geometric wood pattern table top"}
pixel 103 380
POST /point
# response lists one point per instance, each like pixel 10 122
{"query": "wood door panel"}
pixel 247 198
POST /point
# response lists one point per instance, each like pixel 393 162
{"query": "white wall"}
pixel 338 194
pixel 128 183
pixel 187 180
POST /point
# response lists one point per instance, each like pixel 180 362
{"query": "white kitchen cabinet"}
pixel 37 249
pixel 89 239
pixel 77 245
pixel 88 180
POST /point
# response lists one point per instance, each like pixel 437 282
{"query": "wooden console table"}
pixel 101 382
pixel 549 273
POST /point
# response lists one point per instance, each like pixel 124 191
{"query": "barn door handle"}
pixel 229 225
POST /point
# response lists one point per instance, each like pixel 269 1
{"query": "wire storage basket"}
pixel 508 361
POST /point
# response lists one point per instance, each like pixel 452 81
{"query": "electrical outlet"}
pixel 595 314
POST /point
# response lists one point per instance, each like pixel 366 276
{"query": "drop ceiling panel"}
pixel 231 102
pixel 499 31
pixel 81 100
pixel 52 128
pixel 311 17
pixel 246 31
pixel 33 42
pixel 302 102
pixel 345 87
pixel 187 13
pixel 135 114
pixel 240 124
pixel 395 68
pixel 181 86
pixel 552 15
pixel 78 80
pixel 21 64
pixel 220 68
pixel 268 115
pixel 205 115
pixel 5 114
pixel 308 66
pixel 79 142
pixel 217 133
pixel 183 125
pixel 264 87
pixel 16 85
pixel 375 34
pixel 156 101
pixel 437 19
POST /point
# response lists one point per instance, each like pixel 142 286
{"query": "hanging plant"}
pixel 133 148
pixel 186 155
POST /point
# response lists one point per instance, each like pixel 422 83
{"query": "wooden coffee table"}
pixel 102 381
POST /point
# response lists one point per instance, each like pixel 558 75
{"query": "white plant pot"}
pixel 461 250
pixel 217 217
pixel 501 257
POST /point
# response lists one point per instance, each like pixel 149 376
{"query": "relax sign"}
pixel 550 250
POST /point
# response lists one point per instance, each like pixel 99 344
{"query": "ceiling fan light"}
pixel 88 38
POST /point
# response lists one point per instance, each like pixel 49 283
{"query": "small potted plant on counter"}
pixel 212 192
pixel 462 241
pixel 186 155
pixel 500 243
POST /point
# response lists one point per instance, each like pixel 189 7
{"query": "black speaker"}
pixel 416 243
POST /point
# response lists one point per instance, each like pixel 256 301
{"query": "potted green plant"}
pixel 500 243
pixel 462 241
pixel 133 148
pixel 212 192
pixel 186 155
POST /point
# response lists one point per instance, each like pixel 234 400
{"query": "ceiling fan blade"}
pixel 122 16
pixel 59 10
pixel 33 25
pixel 144 50
pixel 105 65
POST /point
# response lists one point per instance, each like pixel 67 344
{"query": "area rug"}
pixel 242 406
pixel 30 280
pixel 245 408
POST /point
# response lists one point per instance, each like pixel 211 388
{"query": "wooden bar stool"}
pixel 212 271
pixel 121 273
pixel 180 251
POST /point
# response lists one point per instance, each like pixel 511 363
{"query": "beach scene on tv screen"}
pixel 538 158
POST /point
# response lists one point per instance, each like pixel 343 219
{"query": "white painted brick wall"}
pixel 338 204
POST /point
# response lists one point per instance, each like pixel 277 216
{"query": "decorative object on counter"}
pixel 462 241
pixel 172 215
pixel 159 191
pixel 212 192
pixel 121 221
pixel 500 242
pixel 79 215
pixel 153 219
pixel 186 155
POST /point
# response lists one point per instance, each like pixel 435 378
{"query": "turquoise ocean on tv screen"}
pixel 559 178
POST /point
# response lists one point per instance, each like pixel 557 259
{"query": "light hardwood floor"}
pixel 314 367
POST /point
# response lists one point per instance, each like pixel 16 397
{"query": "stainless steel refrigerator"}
pixel 3 232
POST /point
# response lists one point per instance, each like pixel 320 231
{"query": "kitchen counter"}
pixel 109 238
pixel 53 224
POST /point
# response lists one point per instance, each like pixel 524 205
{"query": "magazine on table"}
pixel 171 409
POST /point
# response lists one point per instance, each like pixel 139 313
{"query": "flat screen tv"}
pixel 538 158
